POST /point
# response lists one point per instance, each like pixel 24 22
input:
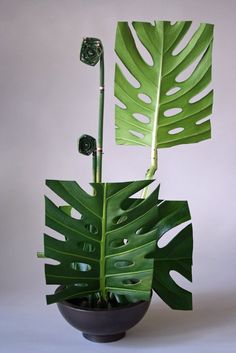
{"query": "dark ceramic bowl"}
pixel 103 325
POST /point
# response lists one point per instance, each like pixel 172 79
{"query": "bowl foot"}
pixel 104 338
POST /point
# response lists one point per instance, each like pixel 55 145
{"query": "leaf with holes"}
pixel 171 116
pixel 101 252
pixel 175 256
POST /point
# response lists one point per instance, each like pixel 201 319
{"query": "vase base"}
pixel 104 338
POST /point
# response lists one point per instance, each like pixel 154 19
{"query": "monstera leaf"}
pixel 175 256
pixel 102 252
pixel 171 117
pixel 113 246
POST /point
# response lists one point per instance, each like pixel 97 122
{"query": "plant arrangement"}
pixel 110 258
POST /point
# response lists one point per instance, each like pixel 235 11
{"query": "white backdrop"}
pixel 48 98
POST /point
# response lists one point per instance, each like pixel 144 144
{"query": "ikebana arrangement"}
pixel 109 260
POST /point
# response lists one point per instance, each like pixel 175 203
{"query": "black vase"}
pixel 103 325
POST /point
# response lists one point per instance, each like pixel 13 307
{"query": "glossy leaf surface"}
pixel 102 251
pixel 176 255
pixel 163 111
pixel 113 248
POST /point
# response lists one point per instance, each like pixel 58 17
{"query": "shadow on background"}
pixel 164 326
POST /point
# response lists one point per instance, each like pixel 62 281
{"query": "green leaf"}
pixel 112 248
pixel 157 80
pixel 102 251
pixel 175 256
pixel 66 209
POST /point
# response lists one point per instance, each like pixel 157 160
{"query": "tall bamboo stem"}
pixel 100 122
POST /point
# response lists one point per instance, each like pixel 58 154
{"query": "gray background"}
pixel 48 99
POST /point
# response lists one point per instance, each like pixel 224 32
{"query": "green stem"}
pixel 153 167
pixel 100 123
pixel 103 248
pixel 94 167
pixel 151 171
pixel 94 181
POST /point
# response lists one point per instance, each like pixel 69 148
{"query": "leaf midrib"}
pixel 103 244
pixel 157 106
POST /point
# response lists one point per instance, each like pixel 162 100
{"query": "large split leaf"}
pixel 164 125
pixel 113 246
pixel 175 256
pixel 101 252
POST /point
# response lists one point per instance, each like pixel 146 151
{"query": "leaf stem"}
pixel 94 167
pixel 153 167
pixel 151 171
pixel 103 248
pixel 100 122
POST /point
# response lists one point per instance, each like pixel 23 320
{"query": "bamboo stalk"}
pixel 100 122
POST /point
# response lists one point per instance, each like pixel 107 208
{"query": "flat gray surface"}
pixel 47 100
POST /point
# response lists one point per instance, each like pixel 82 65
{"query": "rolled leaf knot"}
pixel 91 51
pixel 87 145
